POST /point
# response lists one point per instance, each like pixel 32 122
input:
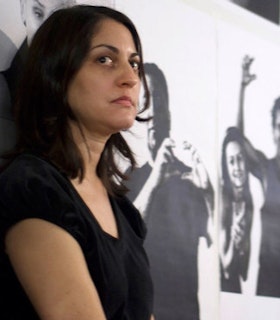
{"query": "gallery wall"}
pixel 200 47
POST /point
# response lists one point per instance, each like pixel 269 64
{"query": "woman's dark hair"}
pixel 57 52
pixel 227 194
pixel 240 266
pixel 159 94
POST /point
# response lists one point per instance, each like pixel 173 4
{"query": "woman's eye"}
pixel 240 158
pixel 105 60
pixel 39 14
pixel 135 65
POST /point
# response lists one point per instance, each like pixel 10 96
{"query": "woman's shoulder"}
pixel 28 166
pixel 31 179
pixel 31 187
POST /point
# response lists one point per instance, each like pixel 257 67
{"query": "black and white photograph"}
pixel 248 170
pixel 176 199
pixel 174 185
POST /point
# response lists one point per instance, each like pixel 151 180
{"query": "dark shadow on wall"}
pixel 268 9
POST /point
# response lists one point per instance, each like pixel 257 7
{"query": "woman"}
pixel 236 213
pixel 71 243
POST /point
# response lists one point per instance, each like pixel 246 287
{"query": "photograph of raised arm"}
pixel 236 208
pixel 71 243
pixel 267 170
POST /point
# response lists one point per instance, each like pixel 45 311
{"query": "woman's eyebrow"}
pixel 113 49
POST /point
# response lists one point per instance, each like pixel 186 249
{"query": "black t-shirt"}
pixel 33 188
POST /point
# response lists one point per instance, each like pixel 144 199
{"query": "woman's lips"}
pixel 124 101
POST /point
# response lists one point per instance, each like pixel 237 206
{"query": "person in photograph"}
pixel 33 14
pixel 235 214
pixel 71 243
pixel 176 210
pixel 236 209
pixel 267 170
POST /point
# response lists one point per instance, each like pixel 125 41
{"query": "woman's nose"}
pixel 237 165
pixel 128 76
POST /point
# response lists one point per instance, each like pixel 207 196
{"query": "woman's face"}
pixel 104 93
pixel 236 164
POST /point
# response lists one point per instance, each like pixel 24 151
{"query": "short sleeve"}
pixel 32 188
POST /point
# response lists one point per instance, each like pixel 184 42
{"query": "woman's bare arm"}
pixel 247 78
pixel 52 270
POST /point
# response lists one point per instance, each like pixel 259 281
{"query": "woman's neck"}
pixel 238 193
pixel 90 147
